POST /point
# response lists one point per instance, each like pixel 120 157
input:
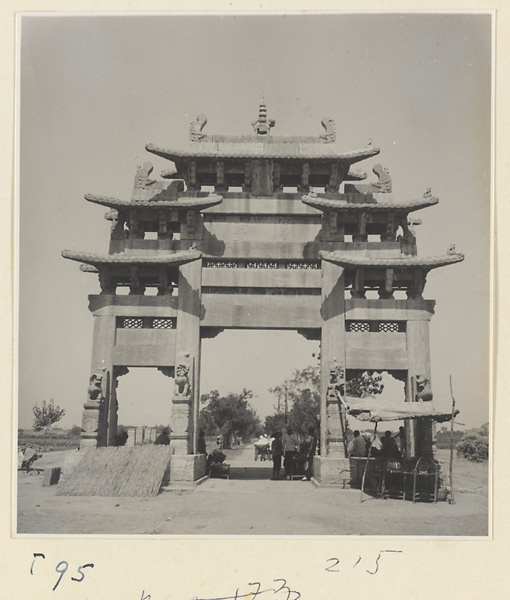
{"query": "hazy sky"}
pixel 95 90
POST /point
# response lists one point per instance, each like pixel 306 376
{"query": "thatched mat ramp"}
pixel 118 471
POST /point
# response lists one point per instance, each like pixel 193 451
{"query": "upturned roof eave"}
pixel 179 155
pixel 180 204
pixel 334 204
pixel 433 262
pixel 91 258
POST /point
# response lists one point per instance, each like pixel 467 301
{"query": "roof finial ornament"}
pixel 263 124
pixel 195 128
pixel 329 135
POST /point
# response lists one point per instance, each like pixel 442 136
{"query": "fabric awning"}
pixel 375 410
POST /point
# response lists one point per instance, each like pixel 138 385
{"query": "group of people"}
pixel 284 446
pixel 287 446
pixel 389 446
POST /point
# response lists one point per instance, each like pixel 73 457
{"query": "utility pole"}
pixel 452 497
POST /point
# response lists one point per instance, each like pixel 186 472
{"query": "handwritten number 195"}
pixel 61 569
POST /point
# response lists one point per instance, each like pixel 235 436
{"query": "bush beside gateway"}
pixel 475 444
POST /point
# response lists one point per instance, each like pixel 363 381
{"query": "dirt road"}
pixel 251 504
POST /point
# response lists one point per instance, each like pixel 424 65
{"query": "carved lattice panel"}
pixel 132 323
pixel 220 264
pixel 358 326
pixel 260 264
pixel 390 326
pixel 307 266
pixel 163 323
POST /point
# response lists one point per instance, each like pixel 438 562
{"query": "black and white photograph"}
pixel 254 274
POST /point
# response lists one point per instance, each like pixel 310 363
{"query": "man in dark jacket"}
pixel 163 438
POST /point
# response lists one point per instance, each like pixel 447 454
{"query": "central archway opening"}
pixel 247 367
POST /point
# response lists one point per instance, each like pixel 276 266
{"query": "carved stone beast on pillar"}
pixel 93 428
pixel 181 405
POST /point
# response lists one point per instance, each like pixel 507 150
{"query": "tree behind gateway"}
pixel 230 416
pixel 46 415
pixel 299 398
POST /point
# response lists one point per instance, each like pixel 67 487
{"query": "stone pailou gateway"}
pixel 260 231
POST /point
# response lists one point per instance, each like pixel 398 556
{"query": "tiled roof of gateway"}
pixel 90 258
pixel 181 203
pixel 373 202
pixel 263 149
pixel 348 259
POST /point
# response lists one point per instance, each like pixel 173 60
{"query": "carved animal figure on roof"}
pixel 423 388
pixel 195 128
pixel 329 134
pixel 451 250
pixel 381 186
pixel 182 385
pixel 383 183
pixel 142 178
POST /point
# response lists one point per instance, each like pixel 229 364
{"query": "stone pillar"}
pixel 332 356
pixel 96 408
pixel 418 355
pixel 113 411
pixel 187 365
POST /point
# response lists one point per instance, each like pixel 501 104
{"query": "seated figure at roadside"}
pixel 29 457
pixel 216 456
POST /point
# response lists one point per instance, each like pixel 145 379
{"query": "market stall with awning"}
pixel 376 410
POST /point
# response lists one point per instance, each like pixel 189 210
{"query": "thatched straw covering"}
pixel 118 471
